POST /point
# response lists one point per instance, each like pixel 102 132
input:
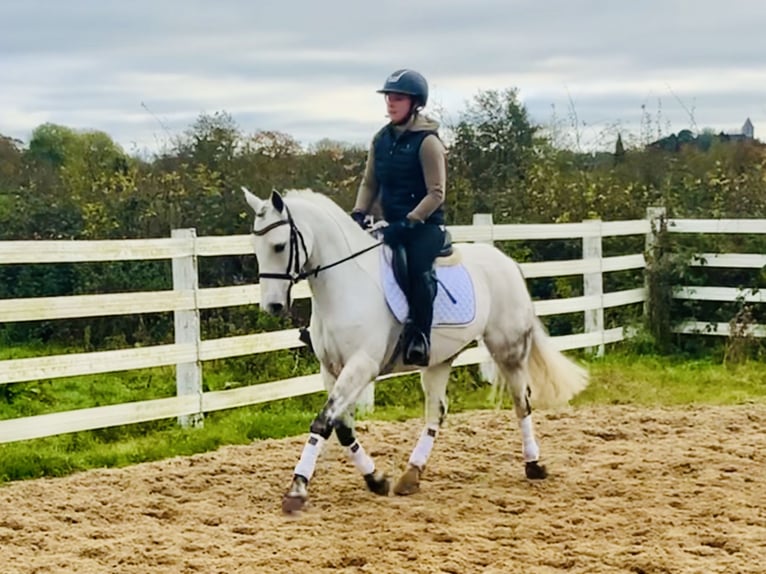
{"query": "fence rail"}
pixel 186 299
pixel 720 260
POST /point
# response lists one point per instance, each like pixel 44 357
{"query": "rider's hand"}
pixel 397 232
pixel 360 218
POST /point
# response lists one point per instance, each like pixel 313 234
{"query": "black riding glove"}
pixel 396 233
pixel 360 218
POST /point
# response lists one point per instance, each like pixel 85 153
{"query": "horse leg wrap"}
pixel 354 449
pixel 530 449
pixel 361 459
pixel 311 451
pixel 319 432
pixel 423 448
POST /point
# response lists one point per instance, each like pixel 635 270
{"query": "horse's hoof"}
pixel 409 482
pixel 295 499
pixel 378 483
pixel 535 471
pixel 292 504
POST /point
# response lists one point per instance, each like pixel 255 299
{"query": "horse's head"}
pixel 280 247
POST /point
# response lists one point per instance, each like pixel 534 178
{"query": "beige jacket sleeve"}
pixel 433 158
pixel 368 189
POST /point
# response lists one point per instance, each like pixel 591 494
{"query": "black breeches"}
pixel 423 245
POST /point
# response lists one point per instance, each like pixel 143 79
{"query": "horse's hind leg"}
pixel 518 381
pixel 434 383
pixel 512 362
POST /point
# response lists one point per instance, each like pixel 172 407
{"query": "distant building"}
pixel 747 129
pixel 704 140
pixel 746 133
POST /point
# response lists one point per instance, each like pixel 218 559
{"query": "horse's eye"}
pixel 279 248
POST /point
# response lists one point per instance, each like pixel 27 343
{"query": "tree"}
pixel 619 150
pixel 52 144
pixel 211 140
pixel 275 144
pixel 79 155
pixel 10 163
pixel 70 179
pixel 493 146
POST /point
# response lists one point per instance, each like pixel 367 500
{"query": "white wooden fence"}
pixel 721 260
pixel 186 299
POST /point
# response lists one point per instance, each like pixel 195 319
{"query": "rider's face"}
pixel 398 106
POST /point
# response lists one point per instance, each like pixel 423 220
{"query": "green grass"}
pixel 615 379
pixel 655 381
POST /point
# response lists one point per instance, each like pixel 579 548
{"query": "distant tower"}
pixel 747 129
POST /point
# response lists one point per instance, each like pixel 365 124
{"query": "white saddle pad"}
pixel 455 302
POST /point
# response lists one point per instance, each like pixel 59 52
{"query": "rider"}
pixel 406 174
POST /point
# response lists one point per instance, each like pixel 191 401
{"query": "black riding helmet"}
pixel 407 82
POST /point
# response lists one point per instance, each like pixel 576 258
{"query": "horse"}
pixel 356 336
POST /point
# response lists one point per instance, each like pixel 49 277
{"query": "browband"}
pixel 269 227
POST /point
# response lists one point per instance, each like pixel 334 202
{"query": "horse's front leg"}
pixel 357 373
pixel 376 481
pixel 434 382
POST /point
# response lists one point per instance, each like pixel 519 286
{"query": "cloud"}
pixel 311 69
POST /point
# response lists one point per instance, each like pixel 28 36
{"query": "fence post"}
pixel 483 219
pixel 593 285
pixel 653 318
pixel 655 215
pixel 187 327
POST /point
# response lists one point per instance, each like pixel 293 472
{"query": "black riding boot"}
pixel 423 291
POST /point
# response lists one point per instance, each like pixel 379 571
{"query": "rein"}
pixel 293 273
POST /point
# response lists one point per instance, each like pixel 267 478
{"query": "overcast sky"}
pixel 141 70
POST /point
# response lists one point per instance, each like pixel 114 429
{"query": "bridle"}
pixel 294 274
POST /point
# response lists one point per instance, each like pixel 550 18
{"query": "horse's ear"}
pixel 255 203
pixel 277 201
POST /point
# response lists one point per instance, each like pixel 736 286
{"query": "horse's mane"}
pixel 332 209
pixel 312 196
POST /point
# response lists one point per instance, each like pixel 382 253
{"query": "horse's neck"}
pixel 345 282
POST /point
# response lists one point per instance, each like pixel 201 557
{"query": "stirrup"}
pixel 417 351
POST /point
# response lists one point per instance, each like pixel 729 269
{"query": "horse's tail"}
pixel 553 378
